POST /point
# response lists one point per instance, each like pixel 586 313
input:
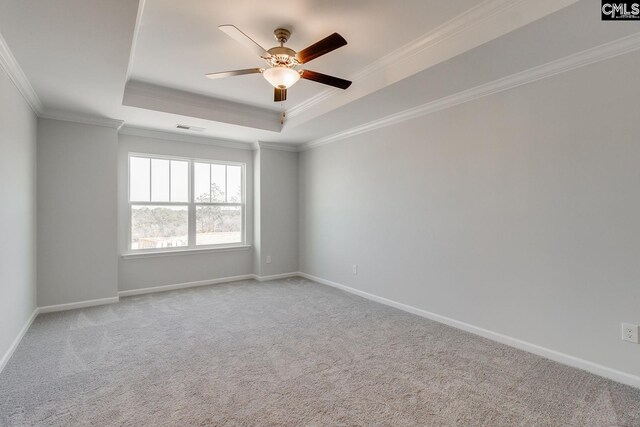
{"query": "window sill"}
pixel 136 255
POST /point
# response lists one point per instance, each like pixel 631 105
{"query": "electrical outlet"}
pixel 355 268
pixel 630 332
pixel 268 259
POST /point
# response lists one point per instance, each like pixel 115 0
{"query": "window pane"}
pixel 202 182
pixel 159 227
pixel 159 180
pixel 218 225
pixel 138 179
pixel 234 184
pixel 179 181
pixel 218 185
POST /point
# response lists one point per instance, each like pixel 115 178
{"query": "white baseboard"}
pixel 276 276
pixel 7 355
pixel 185 285
pixel 594 368
pixel 79 304
pixel 565 359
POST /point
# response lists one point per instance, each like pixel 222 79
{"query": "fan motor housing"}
pixel 282 34
pixel 281 50
pixel 282 56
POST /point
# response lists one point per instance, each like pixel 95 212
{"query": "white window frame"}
pixel 190 203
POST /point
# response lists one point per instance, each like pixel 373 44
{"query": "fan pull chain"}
pixel 283 115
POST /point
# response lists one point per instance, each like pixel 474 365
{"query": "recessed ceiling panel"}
pixel 179 42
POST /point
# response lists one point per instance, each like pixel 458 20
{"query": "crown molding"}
pixel 484 22
pixel 134 41
pixel 279 146
pixel 180 137
pixel 80 118
pixel 580 59
pixel 481 11
pixel 17 76
pixel 20 80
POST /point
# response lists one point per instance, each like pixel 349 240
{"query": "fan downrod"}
pixel 282 35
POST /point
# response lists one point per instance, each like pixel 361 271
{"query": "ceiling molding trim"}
pixel 181 137
pixel 600 53
pixel 461 23
pixel 136 31
pixel 18 77
pixel 79 118
pixel 20 80
pixel 487 21
pixel 279 146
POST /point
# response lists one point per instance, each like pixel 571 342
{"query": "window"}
pixel 218 201
pixel 179 204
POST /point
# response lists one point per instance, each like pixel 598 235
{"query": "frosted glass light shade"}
pixel 281 77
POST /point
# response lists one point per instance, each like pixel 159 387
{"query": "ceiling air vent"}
pixel 193 128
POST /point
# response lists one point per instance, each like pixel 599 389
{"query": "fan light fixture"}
pixel 282 61
pixel 281 77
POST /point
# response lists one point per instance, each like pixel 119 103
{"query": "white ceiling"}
pixel 144 62
pixel 74 53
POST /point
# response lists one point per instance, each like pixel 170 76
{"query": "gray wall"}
pixel 18 134
pixel 77 245
pixel 278 216
pixel 139 273
pixel 517 212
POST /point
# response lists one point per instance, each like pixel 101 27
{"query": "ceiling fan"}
pixel 282 61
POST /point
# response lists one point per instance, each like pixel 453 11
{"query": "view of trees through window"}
pixel 160 205
pixel 159 227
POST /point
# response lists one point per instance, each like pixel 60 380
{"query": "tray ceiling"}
pixel 143 62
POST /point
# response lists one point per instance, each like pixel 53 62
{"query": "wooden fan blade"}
pixel 234 73
pixel 233 32
pixel 325 45
pixel 279 95
pixel 325 79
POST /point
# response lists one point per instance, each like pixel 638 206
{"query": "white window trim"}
pixel 205 250
pixel 191 209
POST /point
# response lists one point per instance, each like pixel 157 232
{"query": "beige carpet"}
pixel 288 352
